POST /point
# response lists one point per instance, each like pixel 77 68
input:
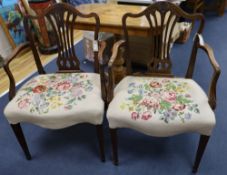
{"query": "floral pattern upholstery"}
pixel 57 98
pixel 160 106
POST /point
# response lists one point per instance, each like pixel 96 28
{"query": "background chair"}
pixel 61 99
pixel 196 5
pixel 153 101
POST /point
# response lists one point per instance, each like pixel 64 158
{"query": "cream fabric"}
pixel 58 100
pixel 160 106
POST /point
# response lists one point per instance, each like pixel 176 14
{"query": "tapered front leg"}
pixel 99 129
pixel 201 148
pixel 113 134
pixel 21 139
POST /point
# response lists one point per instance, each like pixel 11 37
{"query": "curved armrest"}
pixel 113 57
pixel 102 63
pixel 16 51
pixel 209 51
pixel 115 49
pixel 102 47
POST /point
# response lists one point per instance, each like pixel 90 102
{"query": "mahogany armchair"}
pixel 155 102
pixel 67 97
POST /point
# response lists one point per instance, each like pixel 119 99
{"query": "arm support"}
pixel 111 80
pixel 12 56
pixel 212 89
pixel 102 63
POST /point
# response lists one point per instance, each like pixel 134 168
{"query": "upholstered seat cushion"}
pixel 58 101
pixel 160 106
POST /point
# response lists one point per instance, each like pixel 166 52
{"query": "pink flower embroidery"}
pixel 63 86
pixel 150 103
pixel 39 89
pixel 155 84
pixel 135 115
pixel 76 92
pixel 169 96
pixel 24 103
pixel 179 107
pixel 146 115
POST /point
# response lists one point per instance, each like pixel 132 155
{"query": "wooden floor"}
pixel 23 66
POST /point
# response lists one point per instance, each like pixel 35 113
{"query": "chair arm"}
pixel 16 51
pixel 102 63
pixel 102 47
pixel 113 57
pixel 213 84
pixel 115 49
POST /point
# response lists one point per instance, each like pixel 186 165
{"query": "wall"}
pixel 5 47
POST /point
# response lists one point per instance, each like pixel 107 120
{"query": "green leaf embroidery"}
pixel 165 104
pixel 182 100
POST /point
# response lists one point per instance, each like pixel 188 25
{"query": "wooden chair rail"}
pixel 11 57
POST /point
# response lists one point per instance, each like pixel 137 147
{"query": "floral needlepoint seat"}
pixel 58 101
pixel 153 100
pixel 160 106
pixel 63 98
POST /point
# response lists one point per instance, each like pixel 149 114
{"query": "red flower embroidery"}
pixel 150 103
pixel 63 86
pixel 155 84
pixel 39 89
pixel 169 96
pixel 23 103
pixel 135 115
pixel 179 107
pixel 146 115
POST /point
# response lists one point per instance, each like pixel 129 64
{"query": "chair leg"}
pixel 20 137
pixel 201 148
pixel 113 135
pixel 99 129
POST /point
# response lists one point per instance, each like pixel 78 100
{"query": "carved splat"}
pixel 62 20
pixel 162 19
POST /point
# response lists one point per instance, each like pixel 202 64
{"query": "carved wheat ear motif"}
pixel 62 23
pixel 61 19
pixel 162 19
pixel 162 22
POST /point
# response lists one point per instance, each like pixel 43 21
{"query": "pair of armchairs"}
pixel 153 102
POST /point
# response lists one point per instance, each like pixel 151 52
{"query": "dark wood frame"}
pixel 154 70
pixel 197 5
pixel 64 56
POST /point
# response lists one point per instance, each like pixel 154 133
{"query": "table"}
pixel 110 18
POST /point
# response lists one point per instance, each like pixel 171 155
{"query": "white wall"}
pixel 5 47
